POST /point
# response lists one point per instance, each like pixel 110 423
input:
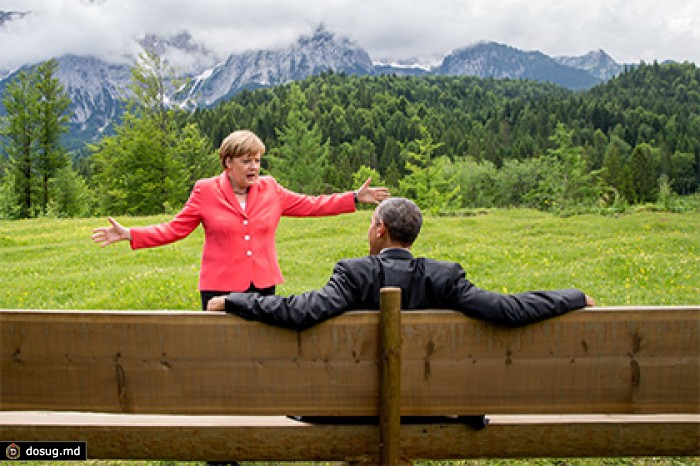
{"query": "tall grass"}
pixel 644 258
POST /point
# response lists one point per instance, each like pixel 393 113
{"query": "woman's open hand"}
pixel 105 236
pixel 369 195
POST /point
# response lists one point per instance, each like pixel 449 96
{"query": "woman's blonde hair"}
pixel 240 143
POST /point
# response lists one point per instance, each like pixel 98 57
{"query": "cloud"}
pixel 629 30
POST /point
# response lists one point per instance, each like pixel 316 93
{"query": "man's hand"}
pixel 589 301
pixel 217 304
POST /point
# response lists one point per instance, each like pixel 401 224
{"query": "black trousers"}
pixel 208 294
pixel 477 422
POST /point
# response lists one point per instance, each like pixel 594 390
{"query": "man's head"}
pixel 395 223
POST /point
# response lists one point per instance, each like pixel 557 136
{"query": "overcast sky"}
pixel 629 30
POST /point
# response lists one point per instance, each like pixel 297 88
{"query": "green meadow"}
pixel 642 258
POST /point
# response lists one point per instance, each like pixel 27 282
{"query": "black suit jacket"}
pixel 425 283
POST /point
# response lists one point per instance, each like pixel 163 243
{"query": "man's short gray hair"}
pixel 402 219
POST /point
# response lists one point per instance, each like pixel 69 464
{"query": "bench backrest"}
pixel 604 360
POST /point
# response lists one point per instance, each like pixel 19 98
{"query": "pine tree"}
pixel 195 151
pixel 52 122
pixel 35 102
pixel 615 168
pixel 565 180
pixel 133 173
pixel 148 85
pixel 427 182
pixel 299 162
pixel 151 163
pixel 596 153
pixel 643 168
pixel 70 195
pixel 20 133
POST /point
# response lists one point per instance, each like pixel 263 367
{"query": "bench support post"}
pixel 390 404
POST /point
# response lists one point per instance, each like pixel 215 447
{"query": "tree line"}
pixel 36 173
pixel 450 143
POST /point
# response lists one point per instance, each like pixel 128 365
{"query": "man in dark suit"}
pixel 425 283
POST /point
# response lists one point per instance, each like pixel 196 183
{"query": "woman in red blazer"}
pixel 240 211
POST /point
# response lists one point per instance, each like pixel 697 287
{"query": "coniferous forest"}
pixel 450 143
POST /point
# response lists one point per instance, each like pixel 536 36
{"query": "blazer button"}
pixel 245 222
pixel 249 253
pixel 247 237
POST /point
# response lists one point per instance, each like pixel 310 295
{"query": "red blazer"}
pixel 239 246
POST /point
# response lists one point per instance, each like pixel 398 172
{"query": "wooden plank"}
pixel 605 360
pixel 192 438
pixel 390 403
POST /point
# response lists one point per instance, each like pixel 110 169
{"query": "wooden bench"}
pixel 208 386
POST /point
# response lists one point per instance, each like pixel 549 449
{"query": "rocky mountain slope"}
pixel 96 87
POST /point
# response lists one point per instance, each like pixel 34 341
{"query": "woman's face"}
pixel 243 171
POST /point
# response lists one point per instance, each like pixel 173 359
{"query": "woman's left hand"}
pixel 369 195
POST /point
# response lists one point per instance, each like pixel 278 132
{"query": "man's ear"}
pixel 381 230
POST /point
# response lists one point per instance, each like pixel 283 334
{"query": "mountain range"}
pixel 96 87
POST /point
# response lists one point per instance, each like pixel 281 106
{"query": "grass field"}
pixel 639 258
pixel 644 258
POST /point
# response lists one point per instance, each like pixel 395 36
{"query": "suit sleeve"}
pixel 298 312
pixel 512 309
